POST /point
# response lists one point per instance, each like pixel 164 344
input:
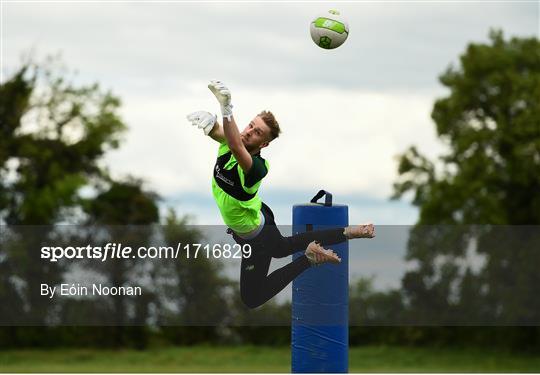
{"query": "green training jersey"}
pixel 235 191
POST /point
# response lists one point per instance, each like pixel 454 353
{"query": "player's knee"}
pixel 249 298
pixel 283 248
pixel 279 254
pixel 250 302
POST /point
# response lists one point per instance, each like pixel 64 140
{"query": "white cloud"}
pixel 391 45
pixel 345 113
pixel 344 140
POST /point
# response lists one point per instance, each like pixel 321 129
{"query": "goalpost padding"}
pixel 320 317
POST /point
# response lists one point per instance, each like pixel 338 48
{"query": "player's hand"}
pixel 223 95
pixel 203 120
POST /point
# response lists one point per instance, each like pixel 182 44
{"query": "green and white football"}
pixel 329 30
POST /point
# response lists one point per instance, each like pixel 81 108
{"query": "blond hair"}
pixel 271 122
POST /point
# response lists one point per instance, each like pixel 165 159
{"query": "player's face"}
pixel 256 135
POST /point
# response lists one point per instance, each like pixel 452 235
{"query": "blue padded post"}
pixel 320 319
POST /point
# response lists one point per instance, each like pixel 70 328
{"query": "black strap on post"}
pixel 327 199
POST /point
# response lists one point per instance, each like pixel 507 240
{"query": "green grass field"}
pixel 261 359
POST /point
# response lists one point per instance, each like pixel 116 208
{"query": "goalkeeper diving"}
pixel 238 173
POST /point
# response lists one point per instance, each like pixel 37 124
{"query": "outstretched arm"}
pixel 208 123
pixel 217 133
pixel 232 134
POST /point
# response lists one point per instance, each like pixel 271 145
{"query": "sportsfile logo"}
pixel 119 251
pixel 109 251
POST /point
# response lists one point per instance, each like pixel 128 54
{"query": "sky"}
pixel 345 113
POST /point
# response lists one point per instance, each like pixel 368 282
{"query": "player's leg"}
pixel 257 287
pixel 278 246
pixel 330 236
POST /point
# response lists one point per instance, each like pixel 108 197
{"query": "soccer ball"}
pixel 329 30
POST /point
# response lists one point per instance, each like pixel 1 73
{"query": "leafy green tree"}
pixel 490 176
pixel 126 212
pixel 53 134
pixel 199 291
pixel 368 307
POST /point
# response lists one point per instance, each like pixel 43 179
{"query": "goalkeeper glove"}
pixel 203 120
pixel 223 95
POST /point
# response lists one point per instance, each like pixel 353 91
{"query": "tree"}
pixel 490 122
pixel 126 212
pixel 52 135
pixel 198 289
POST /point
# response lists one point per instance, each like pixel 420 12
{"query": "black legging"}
pixel 256 286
